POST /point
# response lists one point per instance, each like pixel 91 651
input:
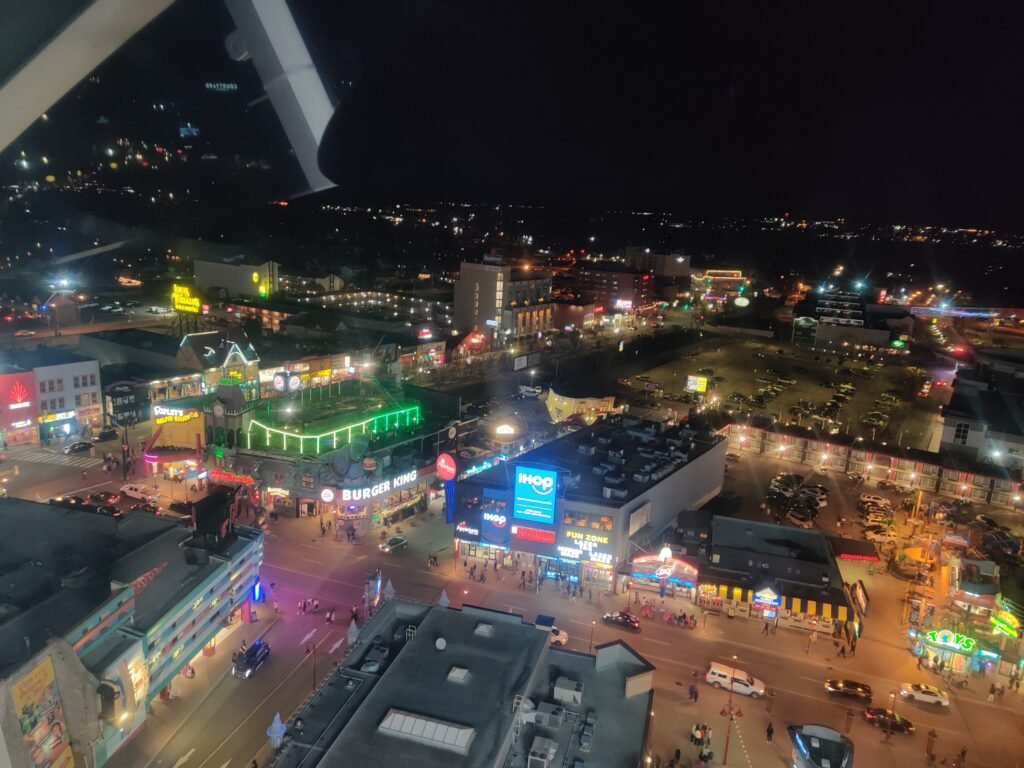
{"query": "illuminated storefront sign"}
pixel 951 639
pixel 1005 623
pixel 165 415
pixel 672 570
pixel 696 384
pixel 533 534
pixel 583 545
pixel 373 491
pixel 446 467
pixel 274 491
pixel 60 416
pixel 767 597
pixel 505 429
pixel 464 529
pixel 535 494
pixel 21 424
pixel 183 301
pixel 223 476
pixel 327 495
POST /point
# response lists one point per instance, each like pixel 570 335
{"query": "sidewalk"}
pixel 167 717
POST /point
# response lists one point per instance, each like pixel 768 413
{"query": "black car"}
pixel 78 447
pixel 181 507
pixel 251 659
pixel 106 434
pixel 67 501
pixel 623 619
pixel 104 498
pixel 108 511
pixel 849 688
pixel 153 509
pixel 987 522
pixel 887 719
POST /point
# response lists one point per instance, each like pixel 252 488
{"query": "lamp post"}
pixel 590 647
pixel 730 713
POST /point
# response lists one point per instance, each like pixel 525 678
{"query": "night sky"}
pixel 897 116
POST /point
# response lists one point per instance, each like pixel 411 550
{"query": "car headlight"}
pixel 248 673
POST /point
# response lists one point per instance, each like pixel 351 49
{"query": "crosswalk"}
pixel 35 455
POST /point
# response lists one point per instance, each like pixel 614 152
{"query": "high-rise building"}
pixel 502 302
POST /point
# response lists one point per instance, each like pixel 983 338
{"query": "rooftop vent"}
pixel 440 643
pixel 484 630
pixel 458 674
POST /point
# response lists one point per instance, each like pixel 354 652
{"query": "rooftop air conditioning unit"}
pixel 568 692
pixel 550 715
pixel 619 493
pixel 641 477
pixel 586 449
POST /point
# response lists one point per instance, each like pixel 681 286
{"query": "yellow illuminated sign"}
pixel 183 301
pixel 255 277
pixel 592 537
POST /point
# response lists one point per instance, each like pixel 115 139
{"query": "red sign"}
pixel 533 534
pixel 230 478
pixel 446 467
pixel 19 405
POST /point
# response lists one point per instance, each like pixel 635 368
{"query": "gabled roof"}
pixel 214 347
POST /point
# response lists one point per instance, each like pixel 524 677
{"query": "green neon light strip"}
pixel 411 415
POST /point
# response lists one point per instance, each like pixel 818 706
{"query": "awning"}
pixel 769 597
pixel 854 549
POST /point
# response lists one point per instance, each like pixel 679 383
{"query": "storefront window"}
pixel 596 522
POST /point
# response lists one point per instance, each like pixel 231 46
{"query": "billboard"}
pixel 696 384
pixel 40 714
pixel 183 301
pixel 535 491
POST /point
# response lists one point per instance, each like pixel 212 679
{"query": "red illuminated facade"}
pixel 19 402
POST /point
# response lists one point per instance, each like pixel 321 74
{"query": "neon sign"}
pixel 1005 623
pixel 223 476
pixel 533 534
pixel 465 529
pixel 166 415
pixel 183 301
pixel 767 597
pixel 372 491
pixel 951 639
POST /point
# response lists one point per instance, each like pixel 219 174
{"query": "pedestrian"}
pixel 920 661
pixel 693 692
pixel 1016 684
pixel 276 607
pixel 355 612
pixel 695 734
pixel 963 756
pixel 298 608
pixel 696 694
pixel 764 630
pixel 842 651
pixel 707 735
pixel 992 692
pixel 703 733
pixel 853 648
pixel 316 606
pixel 253 764
pixel 769 732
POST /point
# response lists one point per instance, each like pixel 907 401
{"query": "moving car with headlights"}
pixel 887 719
pixel 394 544
pixel 251 659
pixel 104 435
pixel 623 619
pixel 741 681
pixel 925 693
pixel 146 493
pixel 849 688
pixel 78 446
pixel 103 497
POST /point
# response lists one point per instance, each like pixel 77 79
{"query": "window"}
pixel 49 385
pixel 60 403
pixel 60 385
pixel 75 382
pixel 53 403
pixel 78 401
pixel 42 387
pixel 960 433
pixel 92 379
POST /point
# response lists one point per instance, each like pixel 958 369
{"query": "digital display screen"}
pixel 535 492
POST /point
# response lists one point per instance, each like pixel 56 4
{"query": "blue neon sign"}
pixel 535 492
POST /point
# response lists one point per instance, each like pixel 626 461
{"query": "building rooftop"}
pixel 55 569
pixel 615 460
pixel 819 746
pixel 451 704
pixel 223 255
pixel 1000 411
pixel 158 343
pixel 214 347
pixel 43 356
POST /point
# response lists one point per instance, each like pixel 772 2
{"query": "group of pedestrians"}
pixel 700 735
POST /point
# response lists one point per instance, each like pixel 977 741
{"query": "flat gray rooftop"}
pixel 454 707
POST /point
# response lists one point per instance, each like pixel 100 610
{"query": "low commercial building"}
pixel 833 320
pixel 99 617
pixel 776 573
pixel 70 400
pixel 614 287
pixel 579 507
pixel 473 688
pixel 235 274
pixel 573 315
pixel 984 420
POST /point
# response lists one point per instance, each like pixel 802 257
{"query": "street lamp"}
pixel 730 713
pixel 892 713
pixel 590 647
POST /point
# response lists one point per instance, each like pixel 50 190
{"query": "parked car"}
pixel 733 457
pixel 622 619
pixel 78 446
pixel 180 507
pixel 108 511
pixel 871 498
pixel 987 522
pixel 152 509
pixel 738 680
pixel 254 657
pixel 394 544
pixel 103 497
pixel 559 637
pixel 799 521
pixel 925 693
pixel 849 688
pixel 24 333
pixel 67 501
pixel 887 719
pixel 886 536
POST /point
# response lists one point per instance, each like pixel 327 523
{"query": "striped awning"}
pixel 739 594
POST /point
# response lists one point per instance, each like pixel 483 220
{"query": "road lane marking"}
pixel 226 764
pixel 334 648
pixel 184 758
pixel 307 637
pixel 659 642
pixel 318 562
pixel 309 575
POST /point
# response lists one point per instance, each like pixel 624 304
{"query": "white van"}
pixel 146 493
pixel 720 675
pixel 530 391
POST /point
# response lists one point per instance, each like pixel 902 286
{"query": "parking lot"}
pixel 740 368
